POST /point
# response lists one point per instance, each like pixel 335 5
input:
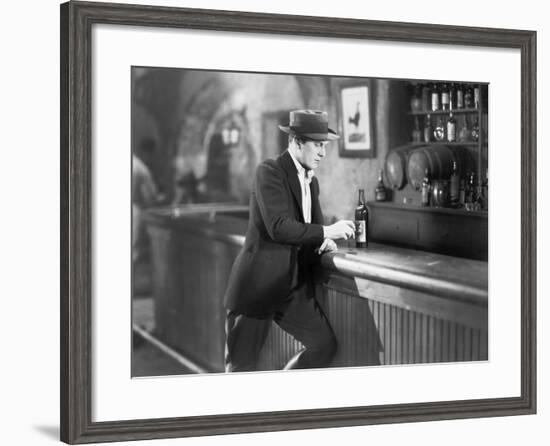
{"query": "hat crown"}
pixel 309 121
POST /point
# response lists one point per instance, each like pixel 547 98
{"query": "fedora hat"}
pixel 309 124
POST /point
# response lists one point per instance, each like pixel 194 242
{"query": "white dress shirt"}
pixel 304 177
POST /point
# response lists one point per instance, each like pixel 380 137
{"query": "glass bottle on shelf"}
pixel 476 96
pixel 445 97
pixel 478 203
pixel 380 192
pixel 452 96
pixel 416 99
pixel 470 192
pixel 454 186
pixel 475 129
pixel 460 96
pixel 461 193
pixel 435 97
pixel 439 130
pixel 464 133
pixel 416 133
pixel 428 128
pixel 485 190
pixel 469 96
pixel 426 97
pixel 425 194
pixel 451 128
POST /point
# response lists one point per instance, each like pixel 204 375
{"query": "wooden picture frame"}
pixel 77 20
pixel 355 119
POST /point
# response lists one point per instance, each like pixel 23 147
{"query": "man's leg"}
pixel 304 319
pixel 244 338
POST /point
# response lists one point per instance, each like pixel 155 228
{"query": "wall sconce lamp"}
pixel 231 135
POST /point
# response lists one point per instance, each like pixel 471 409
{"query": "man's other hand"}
pixel 327 246
pixel 342 229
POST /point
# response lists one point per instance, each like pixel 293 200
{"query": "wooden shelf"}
pixel 446 112
pixel 445 143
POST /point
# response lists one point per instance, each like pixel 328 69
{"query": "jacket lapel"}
pixel 316 213
pixel 288 166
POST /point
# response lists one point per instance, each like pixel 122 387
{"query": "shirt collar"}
pixel 302 172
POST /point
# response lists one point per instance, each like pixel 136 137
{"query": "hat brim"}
pixel 330 136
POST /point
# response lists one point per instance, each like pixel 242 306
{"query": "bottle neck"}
pixel 361 199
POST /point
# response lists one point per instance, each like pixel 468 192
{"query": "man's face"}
pixel 310 153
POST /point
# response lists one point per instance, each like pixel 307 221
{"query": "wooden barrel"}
pixel 396 166
pixel 438 159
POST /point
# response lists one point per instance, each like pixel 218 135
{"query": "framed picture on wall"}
pixel 104 47
pixel 355 120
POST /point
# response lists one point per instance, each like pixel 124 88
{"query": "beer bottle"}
pixel 451 128
pixel 439 130
pixel 470 192
pixel 445 97
pixel 476 96
pixel 461 193
pixel 435 97
pixel 485 190
pixel 428 132
pixel 452 97
pixel 425 197
pixel 380 192
pixel 361 221
pixel 475 129
pixel 455 186
pixel 417 133
pixel 469 96
pixel 460 96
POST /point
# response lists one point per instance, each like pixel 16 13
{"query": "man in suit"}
pixel 272 277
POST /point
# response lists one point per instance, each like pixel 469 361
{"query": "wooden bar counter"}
pixel 387 305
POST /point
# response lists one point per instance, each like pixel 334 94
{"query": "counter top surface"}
pixel 447 276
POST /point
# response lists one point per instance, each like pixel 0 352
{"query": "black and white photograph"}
pixel 281 221
pixel 292 221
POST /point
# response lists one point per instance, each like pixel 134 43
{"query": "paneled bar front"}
pixel 387 305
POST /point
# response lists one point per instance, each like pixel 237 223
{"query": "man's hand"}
pixel 327 246
pixel 342 229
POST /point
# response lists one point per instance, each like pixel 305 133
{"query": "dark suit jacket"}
pixel 279 245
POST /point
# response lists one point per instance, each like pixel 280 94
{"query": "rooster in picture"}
pixel 355 119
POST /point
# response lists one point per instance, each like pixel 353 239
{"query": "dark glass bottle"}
pixel 485 190
pixel 471 192
pixel 416 133
pixel 416 100
pixel 426 97
pixel 475 129
pixel 454 186
pixel 461 193
pixel 460 96
pixel 452 97
pixel 445 97
pixel 478 203
pixel 464 134
pixel 380 192
pixel 361 221
pixel 469 97
pixel 426 189
pixel 439 130
pixel 428 132
pixel 435 97
pixel 451 128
